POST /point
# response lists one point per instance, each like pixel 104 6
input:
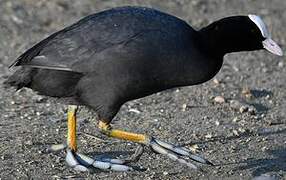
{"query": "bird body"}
pixel 115 56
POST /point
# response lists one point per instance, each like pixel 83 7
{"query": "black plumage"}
pixel 114 56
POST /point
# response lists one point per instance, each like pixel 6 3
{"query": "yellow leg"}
pixel 71 138
pixel 124 135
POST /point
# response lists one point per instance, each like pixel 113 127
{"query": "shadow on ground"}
pixel 276 163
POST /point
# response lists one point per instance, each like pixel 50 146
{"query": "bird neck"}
pixel 224 36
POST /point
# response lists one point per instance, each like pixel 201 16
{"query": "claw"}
pixel 176 153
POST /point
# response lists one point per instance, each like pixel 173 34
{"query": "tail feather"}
pixel 21 78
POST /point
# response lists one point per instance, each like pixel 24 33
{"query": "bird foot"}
pixel 176 153
pixel 81 162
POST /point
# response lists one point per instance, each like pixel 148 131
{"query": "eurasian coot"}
pixel 125 53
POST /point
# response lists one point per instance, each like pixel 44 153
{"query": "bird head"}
pixel 263 34
pixel 239 33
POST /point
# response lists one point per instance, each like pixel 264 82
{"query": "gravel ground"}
pixel 237 120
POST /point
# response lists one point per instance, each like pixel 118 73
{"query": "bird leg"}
pixel 71 137
pixel 82 162
pixel 176 153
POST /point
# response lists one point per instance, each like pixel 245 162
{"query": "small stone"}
pixel 194 148
pixel 235 132
pixel 216 81
pixel 219 99
pixel 16 19
pixel 205 117
pixel 29 142
pixel 165 173
pixel 252 110
pixel 243 109
pixel 281 64
pixel 235 68
pixel 265 70
pixel 246 92
pixel 184 107
pixel 235 104
pixel 134 110
pixel 264 148
pixel 208 136
pixel 241 130
pixel 39 99
pixel 235 119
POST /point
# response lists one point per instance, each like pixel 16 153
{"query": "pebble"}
pixel 235 119
pixel 235 132
pixel 39 99
pixel 194 148
pixel 252 110
pixel 235 104
pixel 264 148
pixel 216 81
pixel 29 142
pixel 134 110
pixel 184 107
pixel 241 130
pixel 219 99
pixel 265 70
pixel 243 109
pixel 281 64
pixel 246 92
pixel 205 117
pixel 208 136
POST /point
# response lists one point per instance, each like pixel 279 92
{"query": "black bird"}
pixel 125 53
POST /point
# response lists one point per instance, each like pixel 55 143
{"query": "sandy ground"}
pixel 244 144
